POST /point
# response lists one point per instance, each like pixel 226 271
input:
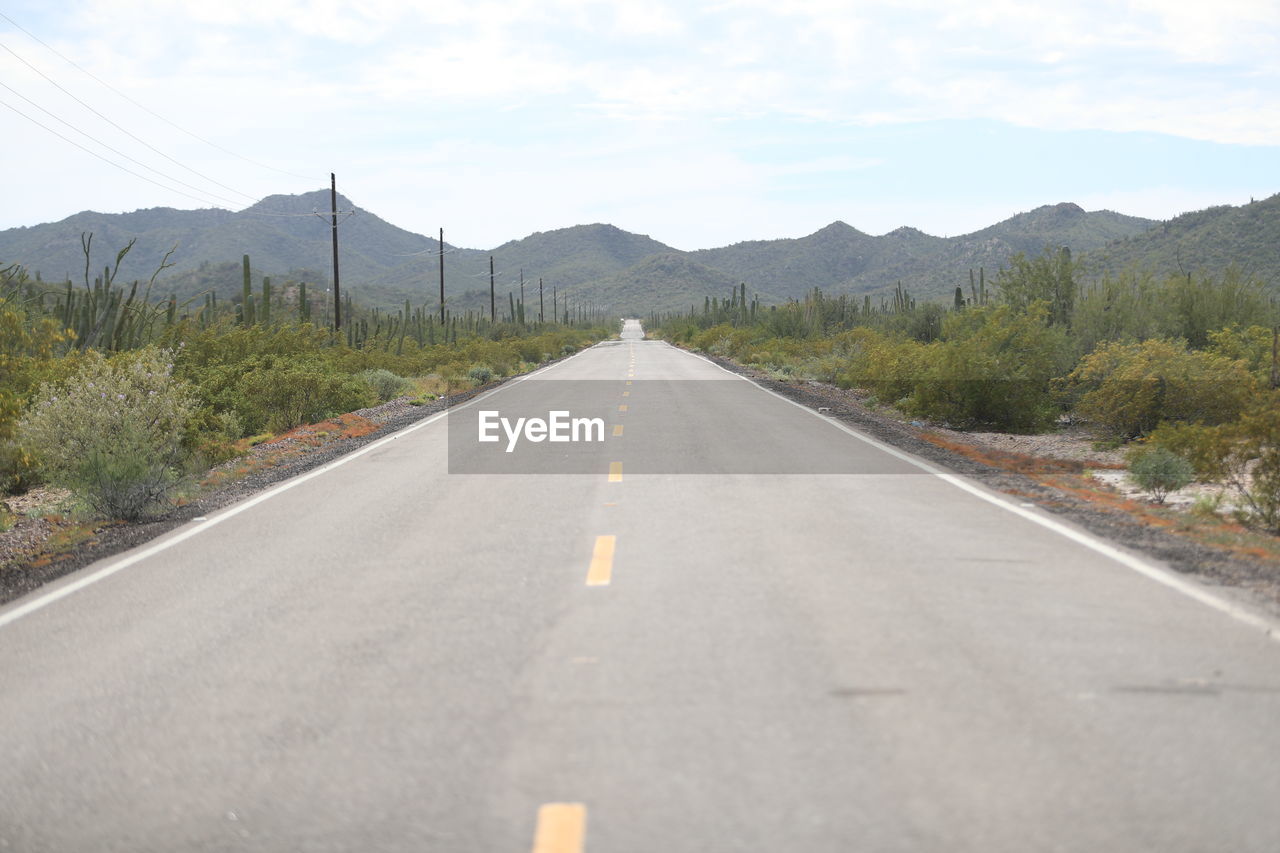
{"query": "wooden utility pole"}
pixel 539 299
pixel 493 311
pixel 333 212
pixel 442 277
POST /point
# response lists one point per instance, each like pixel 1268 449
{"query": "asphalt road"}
pixel 717 644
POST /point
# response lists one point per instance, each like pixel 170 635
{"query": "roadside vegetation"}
pixel 1187 364
pixel 120 399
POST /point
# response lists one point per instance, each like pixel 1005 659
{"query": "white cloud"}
pixel 599 105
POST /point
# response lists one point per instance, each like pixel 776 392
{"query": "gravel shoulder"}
pixel 1061 473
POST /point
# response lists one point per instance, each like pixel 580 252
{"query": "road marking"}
pixel 562 828
pixel 617 430
pixel 628 381
pixel 600 572
pixel 612 503
pixel 626 393
pixel 615 472
pixel 622 408
pixel 137 556
pixel 1156 573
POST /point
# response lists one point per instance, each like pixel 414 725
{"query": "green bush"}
pixel 29 355
pixel 281 395
pixel 113 432
pixel 480 374
pixel 992 368
pixel 1244 455
pixel 887 367
pixel 1131 388
pixel 1159 471
pixel 1251 345
pixel 385 384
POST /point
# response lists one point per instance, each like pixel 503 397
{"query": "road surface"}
pixel 692 636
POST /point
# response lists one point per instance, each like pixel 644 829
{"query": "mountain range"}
pixel 288 238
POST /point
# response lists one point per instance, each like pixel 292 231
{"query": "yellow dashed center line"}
pixel 626 393
pixel 562 828
pixel 600 571
pixel 615 472
pixel 628 381
pixel 622 408
pixel 617 430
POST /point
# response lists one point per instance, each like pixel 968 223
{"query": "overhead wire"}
pixel 103 159
pixel 117 151
pixel 128 133
pixel 436 252
pixel 143 107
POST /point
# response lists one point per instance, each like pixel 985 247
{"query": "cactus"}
pixel 246 301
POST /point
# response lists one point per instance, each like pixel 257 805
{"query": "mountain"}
pixel 841 259
pixel 384 265
pixel 668 282
pixel 1207 240
pixel 283 236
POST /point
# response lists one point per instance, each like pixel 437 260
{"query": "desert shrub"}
pixel 1137 305
pixel 1159 471
pixel 212 436
pixel 385 384
pixel 280 395
pixel 113 432
pixel 888 367
pixel 1047 279
pixel 992 369
pixel 1243 454
pixel 480 374
pixel 1204 447
pixel 1131 388
pixel 1252 345
pixel 29 350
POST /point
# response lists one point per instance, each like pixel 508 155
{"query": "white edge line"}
pixel 47 598
pixel 1142 567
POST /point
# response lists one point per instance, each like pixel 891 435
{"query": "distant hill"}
pixel 841 259
pixel 668 282
pixel 281 235
pixel 384 265
pixel 1207 240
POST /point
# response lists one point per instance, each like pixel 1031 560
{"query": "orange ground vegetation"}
pixel 1006 460
pixel 1068 476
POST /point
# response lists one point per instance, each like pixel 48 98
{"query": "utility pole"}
pixel 493 311
pixel 521 291
pixel 539 299
pixel 442 277
pixel 555 305
pixel 333 211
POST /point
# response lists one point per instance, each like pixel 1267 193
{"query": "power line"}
pixel 115 150
pixel 128 133
pixel 433 252
pixel 143 107
pixel 104 159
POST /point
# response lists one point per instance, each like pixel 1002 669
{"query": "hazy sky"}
pixel 698 123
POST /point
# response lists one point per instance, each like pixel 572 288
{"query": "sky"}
pixel 699 124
